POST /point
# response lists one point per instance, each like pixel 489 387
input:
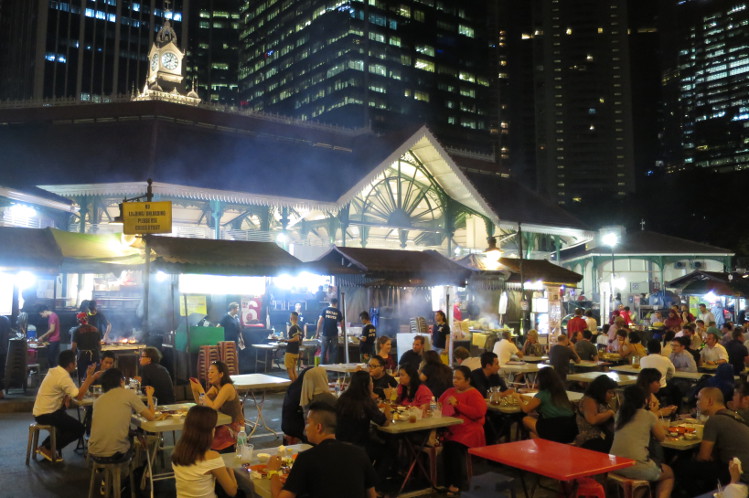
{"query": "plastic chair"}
pixel 589 487
pixel 628 486
pixel 34 440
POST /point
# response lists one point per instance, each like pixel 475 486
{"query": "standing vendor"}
pixel 97 319
pixel 52 335
pixel 230 322
pixel 440 332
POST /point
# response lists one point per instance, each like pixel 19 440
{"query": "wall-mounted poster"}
pixel 251 309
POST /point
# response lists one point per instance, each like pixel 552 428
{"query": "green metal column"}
pixel 217 211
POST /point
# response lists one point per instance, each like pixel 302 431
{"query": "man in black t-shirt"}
pixel 413 357
pixel 230 322
pixel 330 469
pixel 154 374
pixel 487 376
pixel 380 378
pixel 97 319
pixel 327 326
pixel 368 337
pixel 295 335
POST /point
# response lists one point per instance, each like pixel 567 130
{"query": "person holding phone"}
pixel 222 396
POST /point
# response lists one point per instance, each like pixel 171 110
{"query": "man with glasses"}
pixel 681 358
pixel 154 374
pixel 380 379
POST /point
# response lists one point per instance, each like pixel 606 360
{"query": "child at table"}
pixel 634 426
pixel 465 402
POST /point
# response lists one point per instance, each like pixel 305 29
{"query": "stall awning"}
pixel 392 267
pixel 95 253
pixel 719 283
pixel 533 270
pixel 54 251
pixel 29 249
pixel 221 257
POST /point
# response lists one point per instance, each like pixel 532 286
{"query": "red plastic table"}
pixel 562 462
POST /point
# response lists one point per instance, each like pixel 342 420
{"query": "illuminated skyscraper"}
pixel 213 56
pixel 705 84
pixel 84 50
pixel 378 62
pixel 582 99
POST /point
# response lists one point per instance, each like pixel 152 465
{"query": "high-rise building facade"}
pixel 706 96
pixel 79 49
pixel 582 99
pixel 376 62
pixel 213 54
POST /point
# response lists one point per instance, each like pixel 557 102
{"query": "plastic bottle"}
pixel 241 442
pixel 201 399
pixel 433 408
pixel 338 387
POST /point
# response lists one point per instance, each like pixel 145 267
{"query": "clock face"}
pixel 155 62
pixel 169 61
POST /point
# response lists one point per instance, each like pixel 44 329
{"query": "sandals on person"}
pixel 452 491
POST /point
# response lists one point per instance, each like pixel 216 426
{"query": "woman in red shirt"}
pixel 673 322
pixel 465 402
pixel 411 391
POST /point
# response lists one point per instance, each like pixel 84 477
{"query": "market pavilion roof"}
pixel 251 159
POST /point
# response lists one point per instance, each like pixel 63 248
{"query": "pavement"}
pixel 70 478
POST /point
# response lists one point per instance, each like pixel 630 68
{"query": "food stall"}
pixel 721 291
pixel 515 295
pixel 394 285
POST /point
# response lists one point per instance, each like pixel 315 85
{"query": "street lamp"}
pixel 611 239
pixel 492 254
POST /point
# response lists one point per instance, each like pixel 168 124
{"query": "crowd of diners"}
pixel 629 425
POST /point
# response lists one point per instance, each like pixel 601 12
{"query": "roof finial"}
pixel 642 224
pixel 167 5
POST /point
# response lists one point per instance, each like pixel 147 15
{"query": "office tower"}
pixel 213 54
pixel 382 63
pixel 79 49
pixel 706 97
pixel 582 100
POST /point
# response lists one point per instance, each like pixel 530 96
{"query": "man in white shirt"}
pixel 713 353
pixel 656 360
pixel 505 348
pixel 706 315
pixel 52 402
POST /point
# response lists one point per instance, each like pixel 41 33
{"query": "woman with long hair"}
pixel 315 388
pixel 649 380
pixel 411 391
pixel 436 375
pixel 384 345
pixel 440 332
pixel 356 409
pixel 223 397
pixel 673 320
pixel 531 346
pixel 556 416
pixel 197 468
pixel 594 416
pixel 466 403
pixel 634 427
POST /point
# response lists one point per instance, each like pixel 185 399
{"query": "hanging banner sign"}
pixel 147 217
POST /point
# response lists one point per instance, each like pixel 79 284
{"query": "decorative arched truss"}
pixel 404 198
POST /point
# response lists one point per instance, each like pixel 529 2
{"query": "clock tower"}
pixel 165 70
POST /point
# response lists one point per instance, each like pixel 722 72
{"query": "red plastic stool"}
pixel 587 486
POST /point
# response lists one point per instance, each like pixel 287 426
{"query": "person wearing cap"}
pixel 86 343
pixel 713 353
